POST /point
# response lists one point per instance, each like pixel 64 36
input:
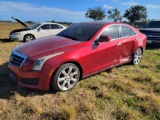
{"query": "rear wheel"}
pixel 137 56
pixel 28 38
pixel 65 77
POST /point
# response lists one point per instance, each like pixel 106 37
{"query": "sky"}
pixel 69 10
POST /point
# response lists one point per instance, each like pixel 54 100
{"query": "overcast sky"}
pixel 68 11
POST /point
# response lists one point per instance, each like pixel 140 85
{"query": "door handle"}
pixel 118 44
pixel 137 39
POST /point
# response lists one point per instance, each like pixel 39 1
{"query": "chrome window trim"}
pixel 119 28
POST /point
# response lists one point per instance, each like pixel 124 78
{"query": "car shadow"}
pixel 9 88
pixel 4 40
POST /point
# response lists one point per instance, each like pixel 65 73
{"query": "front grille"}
pixel 16 58
pixel 154 34
pixel 148 32
pixel 151 35
pixel 153 38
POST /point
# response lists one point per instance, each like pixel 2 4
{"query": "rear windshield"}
pixel 153 24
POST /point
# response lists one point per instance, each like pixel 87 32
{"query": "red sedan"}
pixel 81 50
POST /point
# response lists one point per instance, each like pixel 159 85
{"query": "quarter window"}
pixel 111 31
pixel 127 31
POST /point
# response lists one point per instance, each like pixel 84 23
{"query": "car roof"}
pixel 42 23
pixel 48 23
pixel 104 23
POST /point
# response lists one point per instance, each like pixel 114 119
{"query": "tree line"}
pixel 133 14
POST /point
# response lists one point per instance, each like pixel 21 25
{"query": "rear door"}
pixel 128 37
pixel 55 29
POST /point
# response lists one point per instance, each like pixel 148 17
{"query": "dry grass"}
pixel 124 93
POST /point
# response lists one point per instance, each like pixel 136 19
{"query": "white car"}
pixel 35 31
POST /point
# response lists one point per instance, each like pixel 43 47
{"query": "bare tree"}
pixel 115 15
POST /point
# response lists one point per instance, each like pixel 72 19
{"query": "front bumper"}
pixel 32 79
pixel 153 39
pixel 153 42
pixel 16 37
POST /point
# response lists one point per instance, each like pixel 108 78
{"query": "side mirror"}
pixel 39 29
pixel 104 38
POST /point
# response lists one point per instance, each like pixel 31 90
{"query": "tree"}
pixel 96 13
pixel 136 13
pixel 115 15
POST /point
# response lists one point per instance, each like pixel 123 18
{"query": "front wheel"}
pixel 28 38
pixel 137 56
pixel 65 77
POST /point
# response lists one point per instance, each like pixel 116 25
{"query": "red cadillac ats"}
pixel 80 50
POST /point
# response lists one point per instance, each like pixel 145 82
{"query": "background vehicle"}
pixel 152 31
pixel 80 50
pixel 35 31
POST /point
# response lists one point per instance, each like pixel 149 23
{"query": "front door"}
pixel 107 54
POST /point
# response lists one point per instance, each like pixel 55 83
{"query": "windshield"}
pixel 80 31
pixel 153 24
pixel 34 26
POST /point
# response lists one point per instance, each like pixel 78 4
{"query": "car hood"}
pixel 47 46
pixel 20 30
pixel 26 26
pixel 151 29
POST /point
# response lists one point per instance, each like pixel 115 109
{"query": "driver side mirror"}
pixel 104 38
pixel 39 29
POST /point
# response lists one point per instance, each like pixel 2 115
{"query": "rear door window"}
pixel 126 31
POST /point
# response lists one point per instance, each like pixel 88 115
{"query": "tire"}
pixel 28 38
pixel 65 78
pixel 137 56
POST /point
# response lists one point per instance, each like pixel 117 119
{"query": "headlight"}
pixel 38 64
pixel 17 33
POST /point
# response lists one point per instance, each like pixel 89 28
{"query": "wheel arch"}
pixel 135 49
pixel 28 34
pixel 141 49
pixel 73 62
pixel 133 58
